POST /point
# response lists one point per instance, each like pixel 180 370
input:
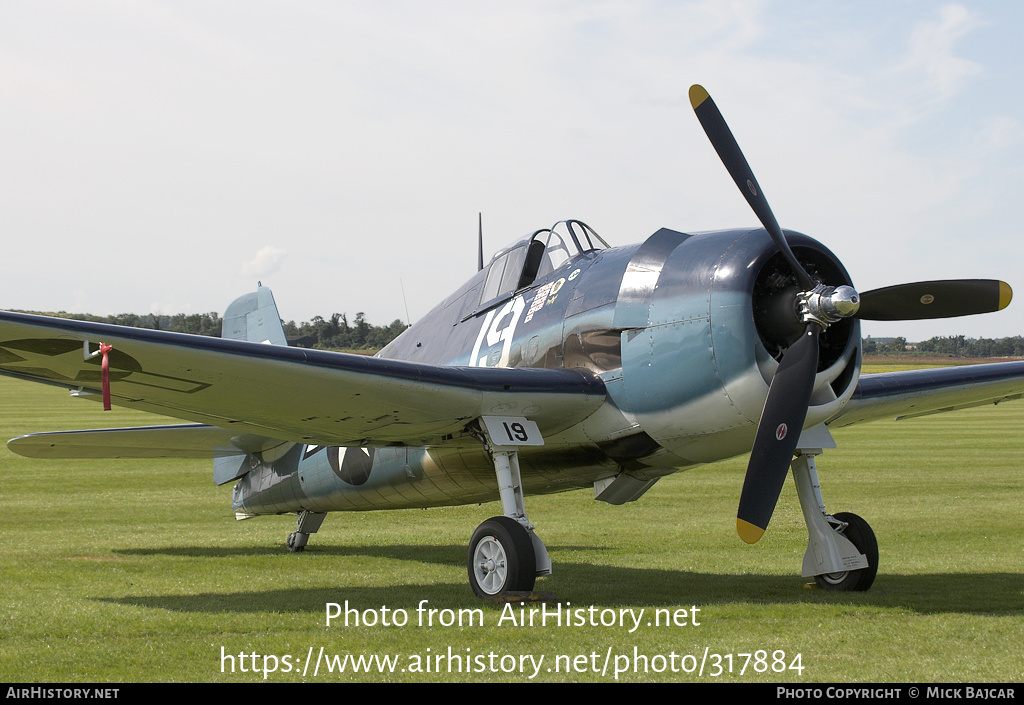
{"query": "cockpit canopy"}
pixel 537 255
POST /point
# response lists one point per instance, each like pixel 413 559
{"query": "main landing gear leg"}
pixel 842 553
pixel 308 523
pixel 505 554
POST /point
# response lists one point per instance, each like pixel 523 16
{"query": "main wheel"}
pixel 862 537
pixel 501 558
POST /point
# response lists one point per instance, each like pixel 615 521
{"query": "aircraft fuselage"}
pixel 673 327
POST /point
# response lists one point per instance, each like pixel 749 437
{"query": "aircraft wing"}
pixel 930 391
pixel 290 394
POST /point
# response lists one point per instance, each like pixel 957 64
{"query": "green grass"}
pixel 130 571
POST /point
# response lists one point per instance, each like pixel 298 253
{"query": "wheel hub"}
pixel 835 578
pixel 490 565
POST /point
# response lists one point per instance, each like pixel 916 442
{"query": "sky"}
pixel 165 156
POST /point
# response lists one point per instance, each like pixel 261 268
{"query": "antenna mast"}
pixel 480 242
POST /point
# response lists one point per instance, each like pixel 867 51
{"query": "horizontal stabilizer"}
pixel 173 441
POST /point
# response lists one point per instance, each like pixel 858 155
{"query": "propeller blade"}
pixel 938 299
pixel 778 431
pixel 729 152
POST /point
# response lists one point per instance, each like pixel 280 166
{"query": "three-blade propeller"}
pixel 789 395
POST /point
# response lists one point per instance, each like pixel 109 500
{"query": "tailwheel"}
pixel 862 537
pixel 308 523
pixel 501 558
pixel 297 542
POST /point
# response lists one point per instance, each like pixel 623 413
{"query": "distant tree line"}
pixel 196 323
pixel 334 333
pixel 948 346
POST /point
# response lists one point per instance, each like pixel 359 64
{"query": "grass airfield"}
pixel 136 571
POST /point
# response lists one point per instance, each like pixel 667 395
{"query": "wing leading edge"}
pixel 931 391
pixel 291 394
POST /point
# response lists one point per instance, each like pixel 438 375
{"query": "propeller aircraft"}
pixel 564 363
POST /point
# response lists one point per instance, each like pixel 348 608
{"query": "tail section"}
pixel 254 317
pixel 251 317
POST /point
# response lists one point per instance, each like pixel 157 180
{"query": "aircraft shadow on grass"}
pixel 583 584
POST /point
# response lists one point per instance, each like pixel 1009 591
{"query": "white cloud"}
pixel 266 262
pixel 932 60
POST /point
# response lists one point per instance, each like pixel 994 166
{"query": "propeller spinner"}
pixel 819 305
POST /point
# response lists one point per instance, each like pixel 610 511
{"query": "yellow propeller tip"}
pixel 697 95
pixel 1005 294
pixel 748 532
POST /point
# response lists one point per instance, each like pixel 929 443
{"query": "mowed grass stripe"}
pixel 137 571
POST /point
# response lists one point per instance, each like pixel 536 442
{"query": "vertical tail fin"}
pixel 254 317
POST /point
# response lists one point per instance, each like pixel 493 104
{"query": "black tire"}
pixel 501 558
pixel 862 537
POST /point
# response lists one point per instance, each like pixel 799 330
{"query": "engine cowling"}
pixel 720 313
